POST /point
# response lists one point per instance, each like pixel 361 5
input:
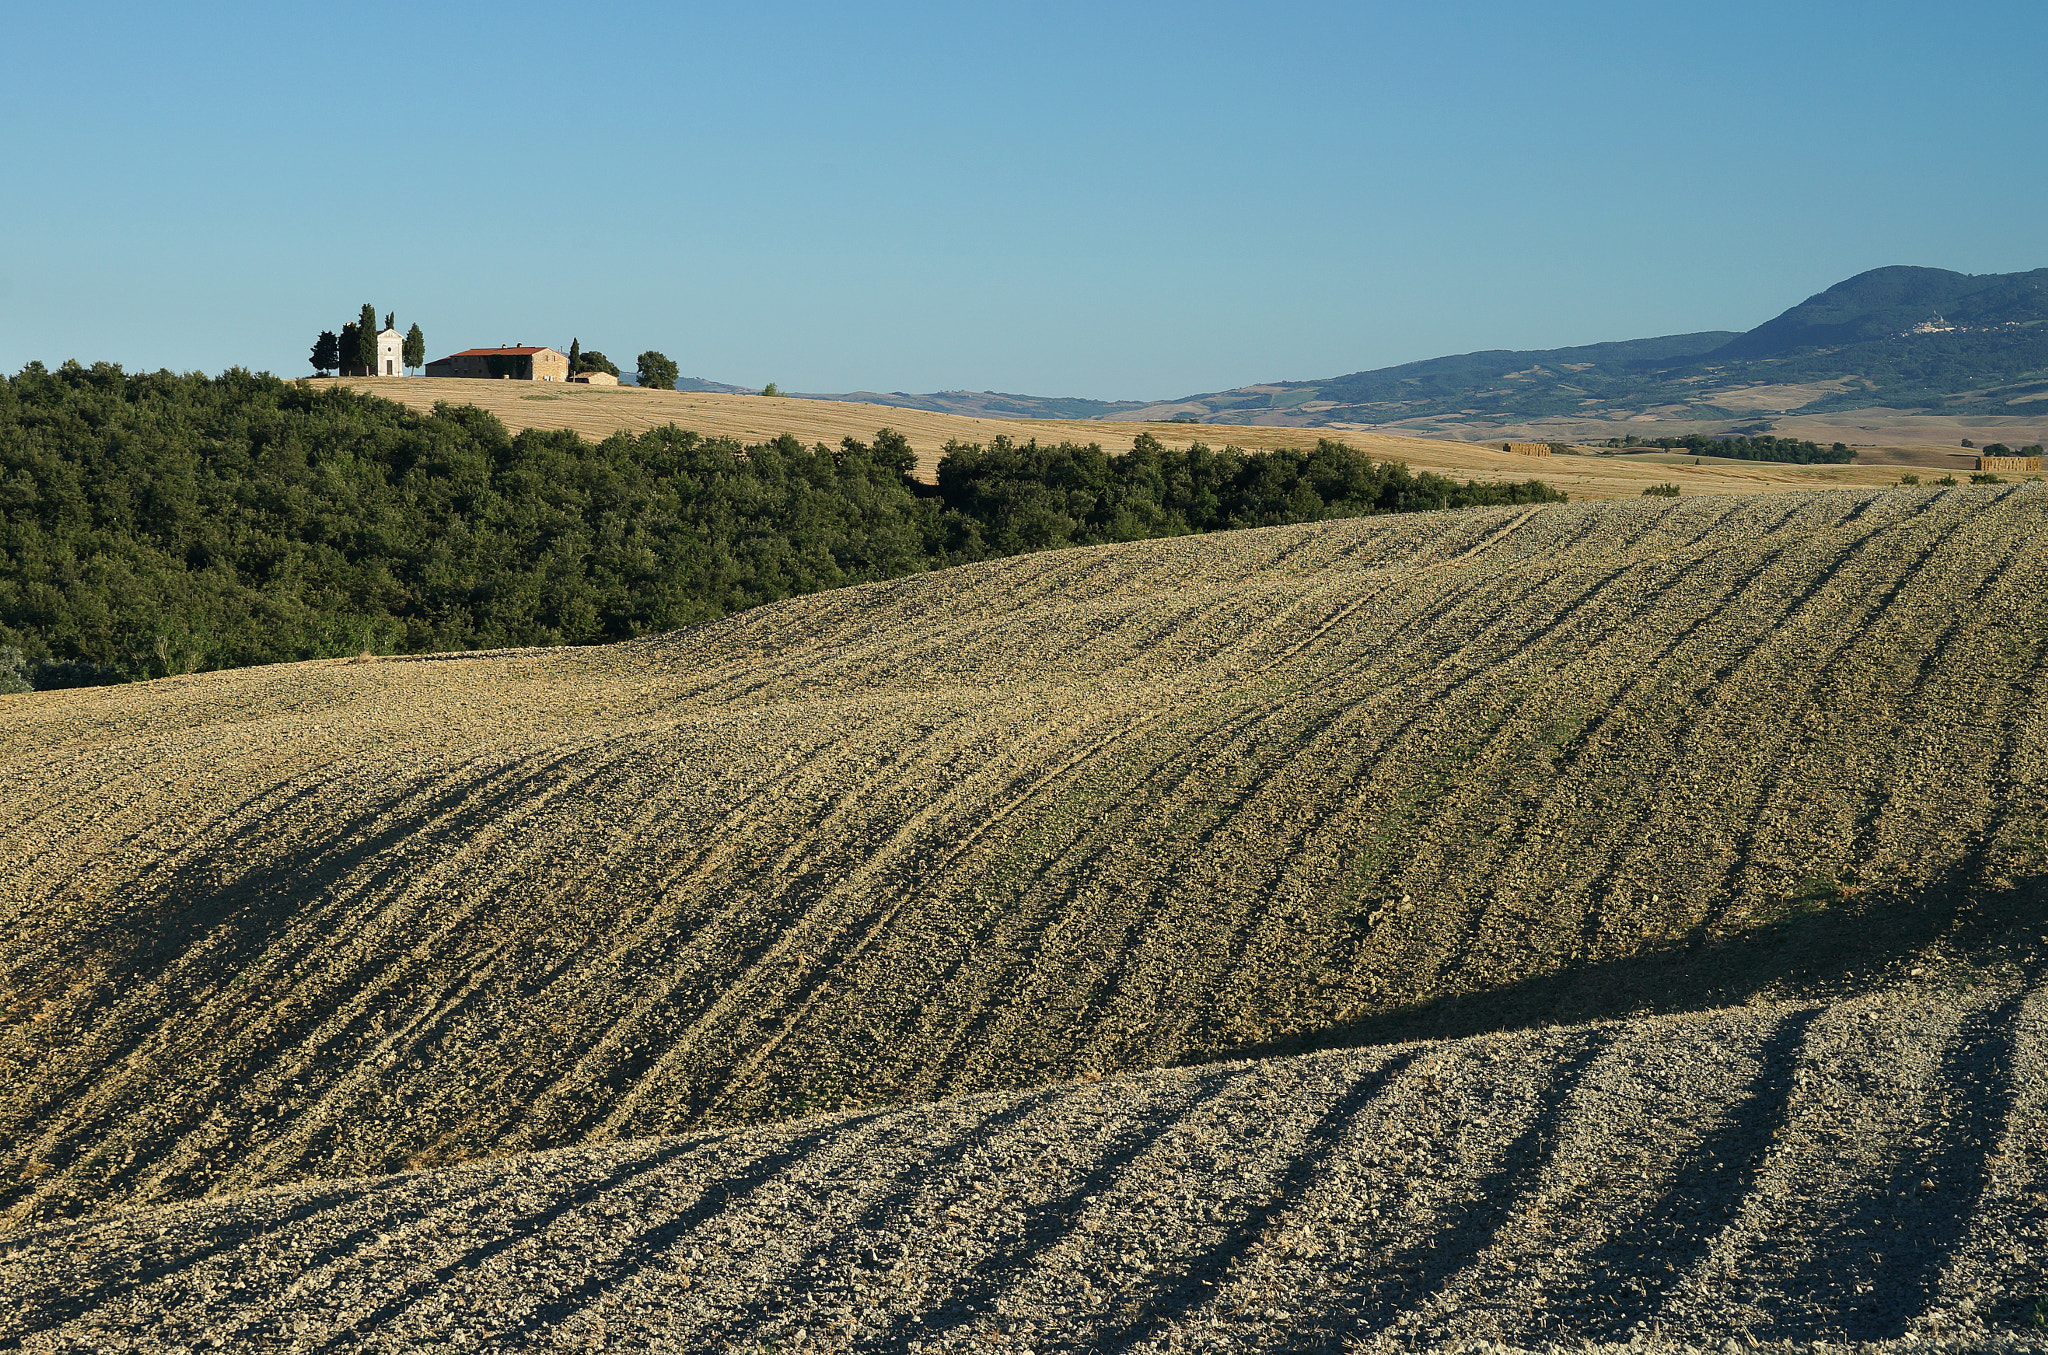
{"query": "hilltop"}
pixel 598 412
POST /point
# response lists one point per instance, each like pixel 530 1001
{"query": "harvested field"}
pixel 1016 823
pixel 596 412
pixel 1865 1172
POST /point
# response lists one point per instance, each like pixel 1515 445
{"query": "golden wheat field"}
pixel 601 410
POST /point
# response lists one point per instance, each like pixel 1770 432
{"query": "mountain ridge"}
pixel 1898 337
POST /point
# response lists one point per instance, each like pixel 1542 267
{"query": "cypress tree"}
pixel 415 347
pixel 575 356
pixel 366 341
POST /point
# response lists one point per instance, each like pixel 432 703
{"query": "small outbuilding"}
pixel 595 379
pixel 511 362
pixel 390 353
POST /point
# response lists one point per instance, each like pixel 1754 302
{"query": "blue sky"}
pixel 1109 200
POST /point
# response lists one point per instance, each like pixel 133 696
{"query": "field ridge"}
pixel 1862 1175
pixel 1053 816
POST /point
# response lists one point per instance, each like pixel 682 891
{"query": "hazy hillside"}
pixel 1887 303
pixel 1986 347
pixel 1921 339
pixel 1019 822
pixel 993 404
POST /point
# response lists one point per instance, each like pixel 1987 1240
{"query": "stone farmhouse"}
pixel 512 362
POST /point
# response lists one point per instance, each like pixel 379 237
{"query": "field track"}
pixel 1866 1172
pixel 1009 825
pixel 596 412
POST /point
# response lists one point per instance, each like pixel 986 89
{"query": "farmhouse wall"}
pixel 510 363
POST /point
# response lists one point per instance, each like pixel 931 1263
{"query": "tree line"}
pixel 1760 447
pixel 154 523
pixel 1005 499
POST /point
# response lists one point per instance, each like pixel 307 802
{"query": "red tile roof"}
pixel 500 352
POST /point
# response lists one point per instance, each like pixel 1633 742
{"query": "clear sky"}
pixel 1100 199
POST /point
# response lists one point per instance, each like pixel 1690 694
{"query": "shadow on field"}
pixel 1956 928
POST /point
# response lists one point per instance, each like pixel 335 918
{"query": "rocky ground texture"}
pixel 1762 779
pixel 1866 1172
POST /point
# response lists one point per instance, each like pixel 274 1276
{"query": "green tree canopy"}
pixel 154 523
pixel 365 354
pixel 326 352
pixel 655 371
pixel 415 347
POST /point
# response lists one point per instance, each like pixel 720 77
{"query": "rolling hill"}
pixel 598 413
pixel 995 827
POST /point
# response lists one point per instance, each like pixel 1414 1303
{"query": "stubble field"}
pixel 596 412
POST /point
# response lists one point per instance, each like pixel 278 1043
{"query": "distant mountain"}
pixel 698 383
pixel 993 404
pixel 1906 338
pixel 1888 303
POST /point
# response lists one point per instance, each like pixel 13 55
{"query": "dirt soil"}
pixel 1332 787
pixel 1862 1175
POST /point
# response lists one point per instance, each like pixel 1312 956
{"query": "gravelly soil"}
pixel 1014 824
pixel 1866 1172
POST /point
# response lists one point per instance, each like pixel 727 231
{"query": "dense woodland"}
pixel 1763 447
pixel 154 524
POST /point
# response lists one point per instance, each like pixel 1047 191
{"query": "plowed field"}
pixel 1017 823
pixel 1867 1172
